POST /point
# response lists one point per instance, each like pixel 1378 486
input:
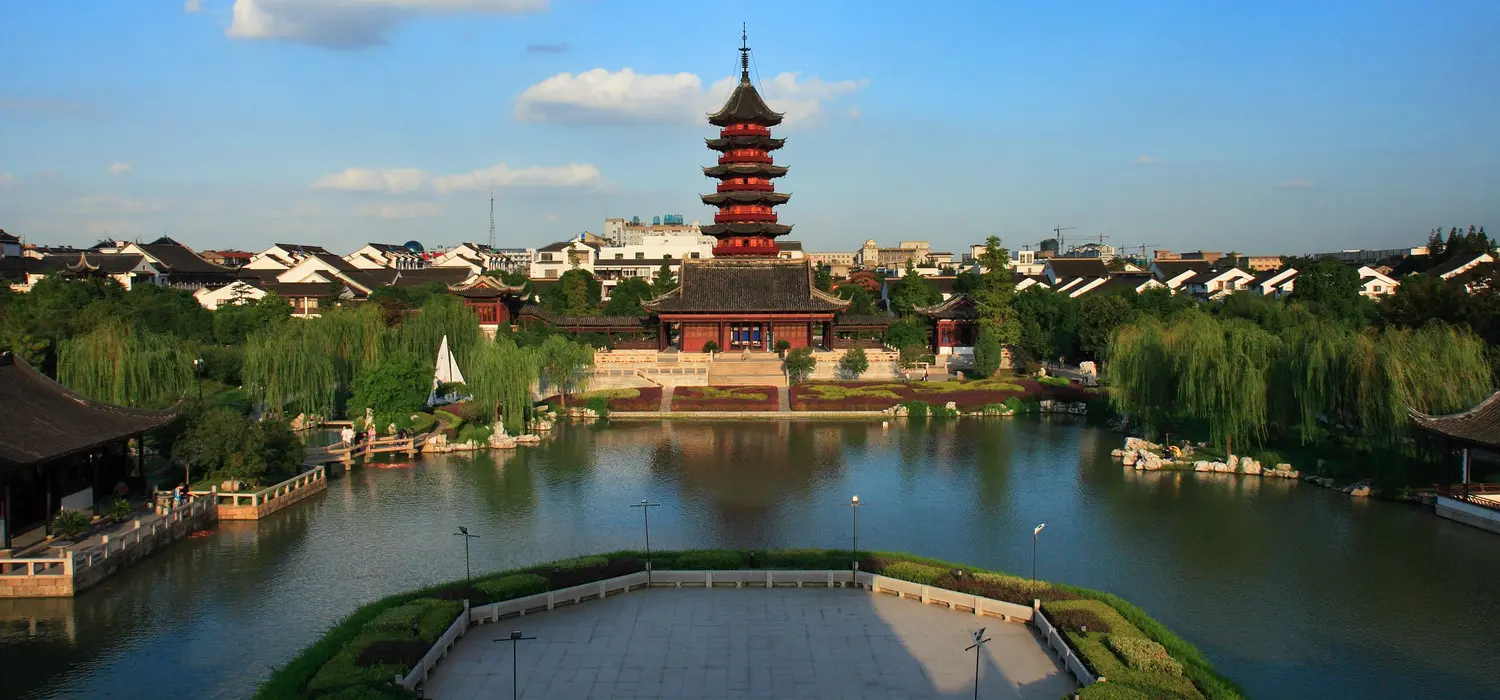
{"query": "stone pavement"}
pixel 750 643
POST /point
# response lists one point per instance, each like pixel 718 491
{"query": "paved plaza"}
pixel 750 643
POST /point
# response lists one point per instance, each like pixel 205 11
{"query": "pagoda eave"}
pixel 747 229
pixel 745 197
pixel 764 143
pixel 744 170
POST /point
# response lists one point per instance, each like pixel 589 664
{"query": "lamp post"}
pixel 977 646
pixel 515 639
pixel 854 505
pixel 1034 532
pixel 646 505
pixel 464 533
pixel 198 374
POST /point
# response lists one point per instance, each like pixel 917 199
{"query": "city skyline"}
pixel 1281 129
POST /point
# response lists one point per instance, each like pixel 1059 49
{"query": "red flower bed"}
pixel 737 398
pixel 649 400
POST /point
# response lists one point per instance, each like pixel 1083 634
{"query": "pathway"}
pixel 666 399
pixel 784 402
pixel 750 643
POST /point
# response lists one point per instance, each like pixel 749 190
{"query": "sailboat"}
pixel 447 372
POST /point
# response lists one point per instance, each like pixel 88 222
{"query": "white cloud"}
pixel 400 180
pixel 599 96
pixel 1294 184
pixel 352 24
pixel 192 6
pixel 502 175
pixel 115 205
pixel 8 179
pixel 417 210
pixel 393 180
pixel 120 168
pixel 1146 160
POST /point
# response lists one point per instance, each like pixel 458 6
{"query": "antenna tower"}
pixel 492 218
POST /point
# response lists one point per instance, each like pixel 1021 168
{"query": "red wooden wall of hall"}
pixel 795 333
pixel 694 335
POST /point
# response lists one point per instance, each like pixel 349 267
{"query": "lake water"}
pixel 1291 590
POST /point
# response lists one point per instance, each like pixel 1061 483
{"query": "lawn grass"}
pixel 969 395
pixel 328 668
pixel 713 398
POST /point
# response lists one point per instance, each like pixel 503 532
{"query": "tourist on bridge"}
pixel 347 435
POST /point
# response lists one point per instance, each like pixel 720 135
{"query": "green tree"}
pixel 989 352
pixel 627 296
pixel 169 311
pixel 421 333
pixel 394 387
pixel 500 379
pixel 1330 289
pixel 854 363
pixel 221 444
pixel 966 282
pixel 995 296
pixel 575 294
pixel 799 364
pixel 119 364
pixel 860 301
pixel 1049 323
pixel 912 292
pixel 564 364
pixel 906 332
pixel 823 278
pixel 236 321
pixel 663 282
pixel 1099 316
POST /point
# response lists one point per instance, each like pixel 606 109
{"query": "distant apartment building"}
pixel 832 259
pixel 872 256
pixel 633 231
pixel 480 258
pixel 1203 255
pixel 1372 256
pixel 1260 263
pixel 389 256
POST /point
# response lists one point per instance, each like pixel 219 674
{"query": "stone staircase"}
pixel 741 369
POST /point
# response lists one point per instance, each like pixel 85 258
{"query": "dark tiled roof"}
pixel 1474 274
pixel 542 314
pixel 178 259
pixel 745 106
pixel 958 307
pixel 789 245
pixel 757 285
pixel 290 290
pixel 1452 264
pixel 765 143
pixel 745 170
pixel 1173 268
pixel 14 269
pixel 485 287
pixel 1077 267
pixel 304 249
pixel 8 237
pixel 746 229
pixel 105 263
pixel 445 275
pixel 1479 425
pixel 881 320
pixel 1123 282
pixel 41 420
pixel 745 197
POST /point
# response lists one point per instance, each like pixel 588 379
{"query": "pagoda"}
pixel 747 297
pixel 746 221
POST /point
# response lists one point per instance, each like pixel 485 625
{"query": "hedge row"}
pixel 330 668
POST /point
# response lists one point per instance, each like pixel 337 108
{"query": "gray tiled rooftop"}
pixel 750 643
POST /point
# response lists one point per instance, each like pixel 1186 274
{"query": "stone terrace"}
pixel 750 643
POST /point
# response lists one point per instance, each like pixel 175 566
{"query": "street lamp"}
pixel 515 638
pixel 854 505
pixel 464 533
pixel 198 373
pixel 1034 532
pixel 979 640
pixel 646 505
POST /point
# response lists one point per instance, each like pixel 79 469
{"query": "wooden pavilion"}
pixel 60 449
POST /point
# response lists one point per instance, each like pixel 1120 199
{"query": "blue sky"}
pixel 1260 127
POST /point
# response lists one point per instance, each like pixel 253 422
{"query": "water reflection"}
pixel 1287 587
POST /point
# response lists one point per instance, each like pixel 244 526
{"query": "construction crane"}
pixel 1057 231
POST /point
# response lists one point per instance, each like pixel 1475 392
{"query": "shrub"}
pixel 1078 619
pixel 710 346
pixel 599 405
pixel 370 691
pixel 799 364
pixel 1143 654
pixel 422 422
pixel 69 524
pixel 911 571
pixel 1053 381
pixel 1015 404
pixel 804 559
pixel 941 411
pixel 915 409
pixel 512 586
pixel 448 419
pixel 433 617
pixel 1114 690
pixel 119 509
pixel 854 363
pixel 478 433
pixel 782 346
pixel 577 563
pixel 711 560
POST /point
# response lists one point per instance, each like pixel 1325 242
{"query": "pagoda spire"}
pixel 745 224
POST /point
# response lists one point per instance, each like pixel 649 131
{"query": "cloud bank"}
pixel 352 24
pixel 402 180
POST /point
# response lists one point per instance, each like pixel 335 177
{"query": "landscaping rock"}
pixel 1250 466
pixel 1135 443
pixel 1219 467
pixel 300 422
pixel 1202 466
pixel 1360 489
pixel 1131 458
pixel 501 441
pixel 951 406
pixel 1233 463
pixel 1117 453
pixel 1149 462
pixel 543 425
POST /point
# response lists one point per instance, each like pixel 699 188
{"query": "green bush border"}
pixel 290 680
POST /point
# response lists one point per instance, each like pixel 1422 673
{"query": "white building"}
pixel 1365 257
pixel 625 232
pixel 482 258
pixel 376 256
pixel 1374 284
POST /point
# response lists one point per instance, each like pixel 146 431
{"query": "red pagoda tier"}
pixel 745 224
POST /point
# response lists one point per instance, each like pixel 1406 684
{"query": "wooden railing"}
pixel 1482 495
pixel 275 491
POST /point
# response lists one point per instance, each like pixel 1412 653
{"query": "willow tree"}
pixel 354 338
pixel 443 315
pixel 290 367
pixel 500 377
pixel 564 364
pixel 1435 369
pixel 1142 382
pixel 119 364
pixel 1223 369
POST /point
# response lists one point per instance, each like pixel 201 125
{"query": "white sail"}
pixel 447 372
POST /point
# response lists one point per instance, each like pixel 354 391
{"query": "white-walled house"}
pixel 554 259
pixel 376 256
pixel 1174 273
pixel 1374 284
pixel 1275 283
pixel 1216 284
